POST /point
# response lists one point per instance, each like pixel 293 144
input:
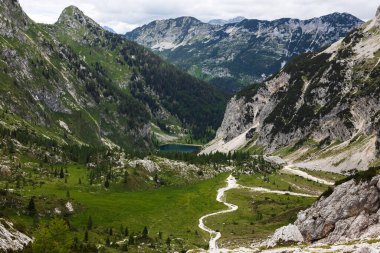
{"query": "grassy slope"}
pixel 170 210
pixel 260 214
pixel 283 182
pixel 257 217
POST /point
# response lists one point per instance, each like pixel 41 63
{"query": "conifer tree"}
pixel 126 231
pixel 131 239
pixel 107 184
pixel 145 233
pixel 61 173
pixel 89 223
pixel 86 236
pixel 126 177
pixel 32 207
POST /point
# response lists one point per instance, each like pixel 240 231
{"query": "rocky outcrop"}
pixel 331 95
pixel 234 122
pixel 11 13
pixel 74 18
pixel 377 19
pixel 146 164
pixel 10 238
pixel 285 235
pixel 171 33
pixel 351 212
pixel 243 113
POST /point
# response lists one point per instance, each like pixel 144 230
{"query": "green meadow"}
pixel 167 211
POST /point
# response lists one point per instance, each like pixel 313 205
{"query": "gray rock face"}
pixel 234 123
pixel 10 238
pixel 75 18
pixel 285 235
pixel 171 33
pixel 244 113
pixel 11 14
pixel 244 52
pixel 109 29
pixel 225 22
pixel 350 212
pixel 316 96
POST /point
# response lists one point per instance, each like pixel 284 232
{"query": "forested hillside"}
pixel 74 84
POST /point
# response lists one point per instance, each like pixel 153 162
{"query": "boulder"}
pixel 289 234
pixel 11 239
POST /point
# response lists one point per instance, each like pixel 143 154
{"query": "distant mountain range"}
pixel 233 55
pixel 322 106
pixel 225 22
pixel 109 29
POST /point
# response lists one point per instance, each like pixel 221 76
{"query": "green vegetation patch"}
pixel 168 212
pixel 258 216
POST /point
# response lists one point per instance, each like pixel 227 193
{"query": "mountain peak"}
pixel 71 12
pixel 12 11
pixel 225 22
pixel 376 19
pixel 109 29
pixel 187 20
pixel 73 17
pixel 378 13
pixel 375 22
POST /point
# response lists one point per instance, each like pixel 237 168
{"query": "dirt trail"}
pixel 290 169
pixel 232 184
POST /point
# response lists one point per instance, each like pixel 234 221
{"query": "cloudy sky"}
pixel 124 15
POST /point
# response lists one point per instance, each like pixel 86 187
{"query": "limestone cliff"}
pixel 327 97
pixel 351 212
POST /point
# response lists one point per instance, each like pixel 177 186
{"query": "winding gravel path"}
pixel 290 169
pixel 232 184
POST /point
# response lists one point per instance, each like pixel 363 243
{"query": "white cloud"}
pixel 124 15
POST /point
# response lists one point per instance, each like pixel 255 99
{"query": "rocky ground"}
pixel 347 219
pixel 10 238
pixel 297 111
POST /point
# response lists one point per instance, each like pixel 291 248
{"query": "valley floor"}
pixel 265 204
pixel 180 217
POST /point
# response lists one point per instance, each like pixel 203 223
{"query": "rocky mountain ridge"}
pixel 234 55
pixel 109 29
pixel 73 83
pixel 327 98
pixel 225 22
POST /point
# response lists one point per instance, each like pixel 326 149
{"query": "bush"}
pixel 53 237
